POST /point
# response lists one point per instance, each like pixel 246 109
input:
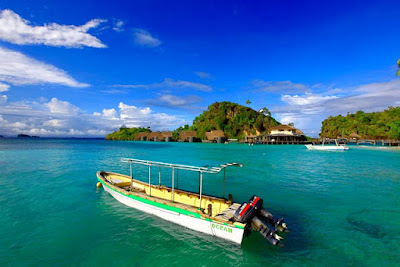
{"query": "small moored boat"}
pixel 211 215
pixel 337 146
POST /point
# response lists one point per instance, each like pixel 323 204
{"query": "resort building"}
pixel 216 136
pixel 354 137
pixel 279 134
pixel 154 136
pixel 189 136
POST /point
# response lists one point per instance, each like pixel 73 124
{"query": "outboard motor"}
pixel 252 213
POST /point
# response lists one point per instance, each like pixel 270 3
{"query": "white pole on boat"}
pixel 177 178
pixel 201 187
pixel 223 185
pixel 159 175
pixel 131 175
pixel 173 174
pixel 149 180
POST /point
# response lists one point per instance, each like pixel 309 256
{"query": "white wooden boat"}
pixel 323 146
pixel 211 215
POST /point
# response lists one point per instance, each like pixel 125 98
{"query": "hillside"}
pixel 375 125
pixel 126 133
pixel 234 119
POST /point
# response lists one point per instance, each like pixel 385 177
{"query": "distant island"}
pixel 27 136
pixel 375 125
pixel 221 119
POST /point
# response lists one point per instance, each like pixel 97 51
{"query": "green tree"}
pixel 265 111
pixel 398 65
pixel 375 125
pixel 125 133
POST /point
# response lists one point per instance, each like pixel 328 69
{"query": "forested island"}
pixel 233 119
pixel 375 125
pixel 125 133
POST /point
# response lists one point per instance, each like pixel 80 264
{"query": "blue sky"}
pixel 73 68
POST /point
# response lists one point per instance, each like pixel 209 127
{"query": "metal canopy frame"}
pixel 177 167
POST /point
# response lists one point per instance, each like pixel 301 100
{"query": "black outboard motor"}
pixel 252 212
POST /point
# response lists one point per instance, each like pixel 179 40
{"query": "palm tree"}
pixel 265 111
pixel 398 64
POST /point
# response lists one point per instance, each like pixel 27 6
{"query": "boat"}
pixel 336 147
pixel 216 216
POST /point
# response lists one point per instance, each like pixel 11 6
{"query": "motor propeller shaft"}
pixel 265 231
pixel 255 216
pixel 279 224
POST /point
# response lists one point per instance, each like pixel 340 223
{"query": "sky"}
pixel 84 68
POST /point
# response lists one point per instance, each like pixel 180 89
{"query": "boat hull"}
pixel 329 148
pixel 203 225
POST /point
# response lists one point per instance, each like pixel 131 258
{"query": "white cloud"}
pixel 54 123
pixel 287 87
pixel 18 69
pixel 62 107
pixel 309 110
pixel 203 75
pixel 61 118
pixel 170 83
pixel 173 101
pixel 17 30
pixel 305 99
pixel 4 87
pixel 117 25
pixel 3 99
pixel 110 113
pixel 144 38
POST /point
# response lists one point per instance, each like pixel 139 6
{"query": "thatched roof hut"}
pixel 142 135
pixel 214 134
pixel 354 136
pixel 184 136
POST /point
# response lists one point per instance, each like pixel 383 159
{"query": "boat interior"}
pixel 214 207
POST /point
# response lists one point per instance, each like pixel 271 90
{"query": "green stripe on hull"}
pixel 163 206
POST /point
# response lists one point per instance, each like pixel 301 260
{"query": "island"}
pixel 221 122
pixel 27 136
pixel 384 125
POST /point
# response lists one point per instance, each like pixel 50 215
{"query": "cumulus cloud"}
pixel 19 69
pixel 110 113
pixel 61 118
pixel 170 83
pixel 4 87
pixel 144 38
pixel 62 107
pixel 173 101
pixel 17 30
pixel 287 87
pixel 305 99
pixel 308 110
pixel 3 99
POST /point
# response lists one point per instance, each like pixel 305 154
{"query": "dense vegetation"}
pixel 233 119
pixel 375 125
pixel 126 133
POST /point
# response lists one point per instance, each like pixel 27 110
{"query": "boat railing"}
pixel 177 167
pixel 205 169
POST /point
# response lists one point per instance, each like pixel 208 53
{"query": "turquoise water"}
pixel 342 207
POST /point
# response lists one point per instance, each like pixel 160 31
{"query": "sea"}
pixel 342 208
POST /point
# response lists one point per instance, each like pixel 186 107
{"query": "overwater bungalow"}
pixel 216 136
pixel 279 134
pixel 154 136
pixel 189 136
pixel 354 137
